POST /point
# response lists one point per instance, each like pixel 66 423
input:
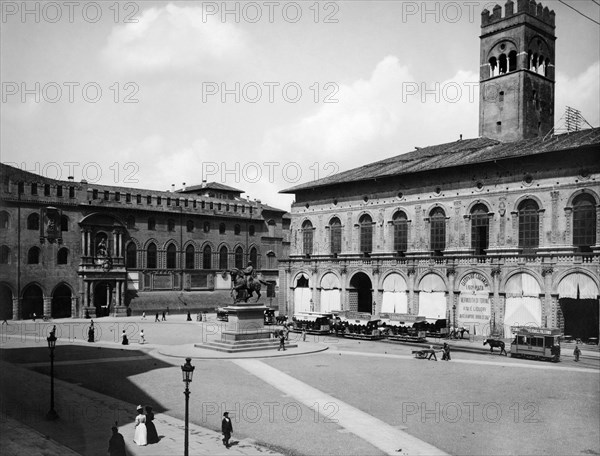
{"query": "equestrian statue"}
pixel 244 284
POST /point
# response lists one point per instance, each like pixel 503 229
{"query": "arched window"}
pixel 33 255
pixel 130 222
pixel 512 60
pixel 170 225
pixel 400 222
pixel 529 225
pixel 190 226
pixel 493 67
pixel 239 258
pixel 307 238
pixel 4 220
pixel 271 261
pixel 366 233
pixel 151 256
pixel 64 223
pixel 584 222
pixel 152 224
pixel 237 229
pixel 437 218
pixel 207 257
pixel 4 254
pixel 271 227
pixel 502 63
pixel 171 256
pixel 254 258
pixel 335 236
pixel 63 256
pixel 480 229
pixel 131 259
pixel 190 253
pixel 221 228
pixel 223 260
pixel 33 222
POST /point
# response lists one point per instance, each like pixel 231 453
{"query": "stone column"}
pixel 541 233
pixel 47 307
pixel 451 274
pixel 547 302
pixel 74 307
pixel 16 306
pixel 344 297
pixel 412 298
pixel 569 225
pixel 377 308
pixel 496 297
pixel 514 232
pixel 83 244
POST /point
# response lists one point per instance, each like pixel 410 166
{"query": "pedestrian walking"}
pixel 303 334
pixel 156 317
pixel 125 339
pixel 91 332
pixel 189 316
pixel 141 433
pixel 432 353
pixel 116 444
pixel 164 318
pixel 281 341
pixel 287 332
pixel 576 352
pixel 142 337
pixel 34 315
pixel 150 427
pixel 143 315
pixel 446 352
pixel 226 429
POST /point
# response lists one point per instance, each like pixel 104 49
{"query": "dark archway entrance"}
pixel 361 295
pixel 580 317
pixel 6 303
pixel 103 298
pixel 61 302
pixel 33 302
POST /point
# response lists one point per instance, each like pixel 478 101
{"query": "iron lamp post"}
pixel 187 371
pixel 52 415
pixel 454 316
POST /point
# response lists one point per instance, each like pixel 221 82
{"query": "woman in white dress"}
pixel 141 433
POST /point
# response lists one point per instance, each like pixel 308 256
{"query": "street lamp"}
pixel 187 370
pixel 454 321
pixel 52 415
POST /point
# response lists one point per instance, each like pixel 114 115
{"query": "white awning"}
pixel 577 286
pixel 431 283
pixel 394 282
pixel 522 285
pixel 330 282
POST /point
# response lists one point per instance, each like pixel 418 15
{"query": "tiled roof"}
pixel 211 186
pixel 458 153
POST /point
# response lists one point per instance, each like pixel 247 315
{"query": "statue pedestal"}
pixel 245 331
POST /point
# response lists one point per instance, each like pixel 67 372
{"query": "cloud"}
pixel 172 38
pixel 581 92
pixel 385 115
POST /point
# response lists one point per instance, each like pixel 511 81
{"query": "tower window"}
pixel 501 96
pixel 502 64
pixel 512 60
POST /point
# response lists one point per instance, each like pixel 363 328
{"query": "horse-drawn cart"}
pixel 426 353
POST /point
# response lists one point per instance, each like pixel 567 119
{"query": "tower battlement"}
pixel 529 7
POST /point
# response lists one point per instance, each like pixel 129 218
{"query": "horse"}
pixel 239 288
pixel 496 343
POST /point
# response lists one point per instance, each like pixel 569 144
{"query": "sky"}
pixel 260 96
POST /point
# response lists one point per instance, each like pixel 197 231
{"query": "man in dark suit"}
pixel 226 429
pixel 116 444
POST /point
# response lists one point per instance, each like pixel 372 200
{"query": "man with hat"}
pixel 226 429
pixel 249 273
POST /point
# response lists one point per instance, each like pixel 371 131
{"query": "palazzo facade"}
pixel 487 233
pixel 72 249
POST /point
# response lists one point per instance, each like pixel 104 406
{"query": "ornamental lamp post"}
pixel 52 415
pixel 454 322
pixel 187 370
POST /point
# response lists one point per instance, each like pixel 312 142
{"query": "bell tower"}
pixel 516 75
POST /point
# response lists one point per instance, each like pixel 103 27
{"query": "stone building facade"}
pixel 72 249
pixel 487 233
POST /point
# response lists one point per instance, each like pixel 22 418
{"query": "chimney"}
pixel 172 188
pixel 204 183
pixel 71 178
pixel 183 185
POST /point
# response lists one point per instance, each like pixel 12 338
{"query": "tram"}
pixel 312 322
pixel 536 343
